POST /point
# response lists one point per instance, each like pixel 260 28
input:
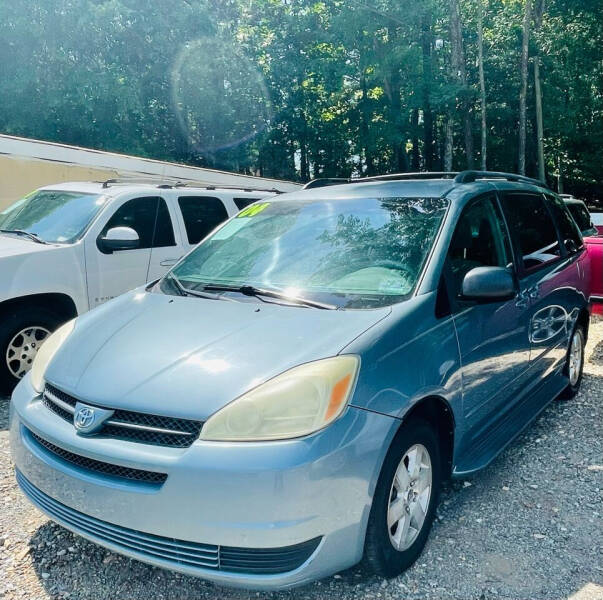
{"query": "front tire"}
pixel 574 363
pixel 405 500
pixel 21 335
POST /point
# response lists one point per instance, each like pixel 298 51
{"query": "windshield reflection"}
pixel 355 252
pixel 53 216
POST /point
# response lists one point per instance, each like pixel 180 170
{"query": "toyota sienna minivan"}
pixel 288 399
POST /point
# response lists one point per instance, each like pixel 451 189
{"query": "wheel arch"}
pixel 437 412
pixel 584 320
pixel 60 304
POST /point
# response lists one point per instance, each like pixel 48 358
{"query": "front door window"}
pixel 479 240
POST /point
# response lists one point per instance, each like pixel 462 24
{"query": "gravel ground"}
pixel 528 527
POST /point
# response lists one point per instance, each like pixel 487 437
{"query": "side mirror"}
pixel 488 284
pixel 570 246
pixel 118 238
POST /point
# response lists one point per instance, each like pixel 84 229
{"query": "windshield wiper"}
pixel 184 291
pixel 250 290
pixel 31 236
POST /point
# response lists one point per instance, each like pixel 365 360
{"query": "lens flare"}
pixel 219 96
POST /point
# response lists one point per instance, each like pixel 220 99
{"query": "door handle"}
pixel 169 262
pixel 524 296
pixel 522 300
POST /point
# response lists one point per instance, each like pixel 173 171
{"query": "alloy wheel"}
pixel 22 349
pixel 409 497
pixel 575 357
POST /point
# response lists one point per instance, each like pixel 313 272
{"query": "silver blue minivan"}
pixel 288 399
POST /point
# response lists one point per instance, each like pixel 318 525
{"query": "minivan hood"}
pixel 188 357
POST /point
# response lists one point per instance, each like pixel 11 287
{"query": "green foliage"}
pixel 301 88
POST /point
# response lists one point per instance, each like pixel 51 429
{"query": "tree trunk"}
pixel 364 128
pixel 459 73
pixel 426 42
pixel 400 158
pixel 527 17
pixel 448 143
pixel 539 124
pixel 538 14
pixel 392 84
pixel 304 164
pixel 482 83
pixel 415 163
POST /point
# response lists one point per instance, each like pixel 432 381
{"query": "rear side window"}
pixel 532 228
pixel 201 215
pixel 149 217
pixel 582 217
pixel 570 234
pixel 243 202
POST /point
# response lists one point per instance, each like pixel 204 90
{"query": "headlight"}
pixel 295 403
pixel 46 352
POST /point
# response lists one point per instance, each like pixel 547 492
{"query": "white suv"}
pixel 66 248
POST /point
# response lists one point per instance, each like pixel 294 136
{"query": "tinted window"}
pixel 243 202
pixel 570 234
pixel 479 240
pixel 141 214
pixel 353 252
pixel 582 217
pixel 201 215
pixel 532 228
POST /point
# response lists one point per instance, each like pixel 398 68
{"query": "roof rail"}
pixel 411 176
pixel 167 183
pixel 471 176
pixel 160 182
pixel 316 183
pixel 181 184
pixel 462 177
pixel 326 181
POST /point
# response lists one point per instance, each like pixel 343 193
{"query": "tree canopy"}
pixel 299 89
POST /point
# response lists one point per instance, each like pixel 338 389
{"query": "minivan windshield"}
pixel 353 253
pixel 51 215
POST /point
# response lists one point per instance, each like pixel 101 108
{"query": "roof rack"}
pixel 316 183
pixel 471 176
pixel 462 177
pixel 181 184
pixel 163 183
pixel 410 176
pixel 326 181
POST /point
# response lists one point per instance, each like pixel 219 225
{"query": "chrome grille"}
pixel 170 551
pixel 129 425
pixel 99 466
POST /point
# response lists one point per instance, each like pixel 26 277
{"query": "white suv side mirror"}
pixel 118 238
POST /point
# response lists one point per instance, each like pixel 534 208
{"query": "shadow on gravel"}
pixel 4 402
pixel 518 529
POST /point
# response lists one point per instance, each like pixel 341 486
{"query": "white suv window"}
pixel 201 215
pixel 149 217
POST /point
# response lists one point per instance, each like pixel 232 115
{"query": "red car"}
pixel 593 240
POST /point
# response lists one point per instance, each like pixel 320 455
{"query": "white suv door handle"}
pixel 168 262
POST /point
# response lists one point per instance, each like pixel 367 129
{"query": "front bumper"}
pixel 262 496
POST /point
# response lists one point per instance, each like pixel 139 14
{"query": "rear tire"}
pixel 21 334
pixel 574 363
pixel 392 546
